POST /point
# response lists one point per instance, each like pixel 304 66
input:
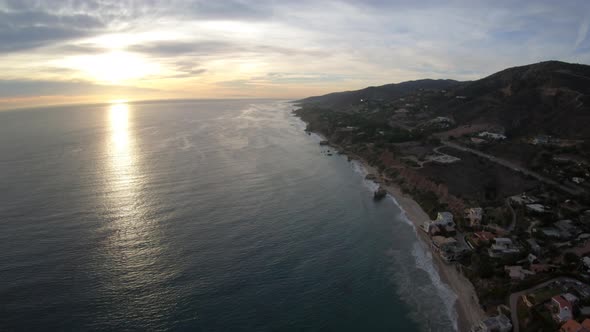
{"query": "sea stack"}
pixel 379 194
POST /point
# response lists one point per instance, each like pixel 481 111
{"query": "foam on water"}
pixel 424 262
pixel 422 256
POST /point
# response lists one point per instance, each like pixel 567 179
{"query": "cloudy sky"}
pixel 54 51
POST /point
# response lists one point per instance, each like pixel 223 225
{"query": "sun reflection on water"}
pixel 119 118
pixel 121 149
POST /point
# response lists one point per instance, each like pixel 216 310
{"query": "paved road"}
pixel 515 296
pixel 569 189
pixel 513 222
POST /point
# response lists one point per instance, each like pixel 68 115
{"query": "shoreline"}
pixel 466 304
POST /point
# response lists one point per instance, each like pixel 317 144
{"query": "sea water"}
pixel 199 216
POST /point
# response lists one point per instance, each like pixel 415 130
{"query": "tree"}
pixel 570 258
pixel 482 266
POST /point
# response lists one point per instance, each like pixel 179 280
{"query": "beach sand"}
pixel 467 305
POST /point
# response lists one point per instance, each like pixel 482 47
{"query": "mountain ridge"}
pixel 549 98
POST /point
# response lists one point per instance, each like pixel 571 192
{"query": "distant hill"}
pixel 549 97
pixel 385 92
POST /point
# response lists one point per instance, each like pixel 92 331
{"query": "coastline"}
pixel 466 304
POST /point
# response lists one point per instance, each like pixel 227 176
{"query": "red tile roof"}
pixel 485 236
pixel 571 326
pixel 563 303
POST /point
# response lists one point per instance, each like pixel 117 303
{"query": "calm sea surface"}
pixel 199 216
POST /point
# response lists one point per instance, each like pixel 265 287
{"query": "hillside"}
pixel 551 98
pixel 386 92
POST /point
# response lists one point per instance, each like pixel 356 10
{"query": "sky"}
pixel 81 51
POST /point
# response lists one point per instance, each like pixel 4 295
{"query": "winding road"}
pixel 568 189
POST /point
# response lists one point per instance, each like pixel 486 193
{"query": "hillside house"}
pixel 482 238
pixel 499 323
pixel 561 308
pixel 567 229
pixel 538 208
pixel 541 140
pixel 444 221
pixel 572 326
pixel 493 136
pixel 474 216
pixel 535 247
pixel 502 246
pixel 517 272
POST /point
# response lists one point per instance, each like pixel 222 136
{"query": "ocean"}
pixel 211 215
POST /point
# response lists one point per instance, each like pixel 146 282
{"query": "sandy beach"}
pixel 467 305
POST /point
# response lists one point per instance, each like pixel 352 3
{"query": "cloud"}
pixel 230 10
pixel 32 88
pixel 271 44
pixel 582 32
pixel 29 29
pixel 174 48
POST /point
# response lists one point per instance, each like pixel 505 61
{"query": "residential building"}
pixel 562 309
pixel 540 268
pixel 567 229
pixel 474 216
pixel 443 221
pixel 517 272
pixel 572 326
pixel 482 238
pixel 535 247
pixel 442 243
pixel 499 323
pixel 551 232
pixel 538 208
pixel 571 298
pixel 541 140
pixel 502 246
pixel 447 248
pixel 578 180
pixel 494 136
pixel 532 259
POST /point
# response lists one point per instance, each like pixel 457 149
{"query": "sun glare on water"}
pixel 119 118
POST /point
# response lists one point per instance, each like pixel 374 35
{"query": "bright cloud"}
pixel 175 48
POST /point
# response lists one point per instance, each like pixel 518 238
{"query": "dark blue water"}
pixel 198 216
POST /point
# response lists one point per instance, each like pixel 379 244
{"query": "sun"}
pixel 115 67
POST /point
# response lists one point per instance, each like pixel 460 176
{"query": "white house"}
pixel 444 220
pixel 493 136
pixel 517 272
